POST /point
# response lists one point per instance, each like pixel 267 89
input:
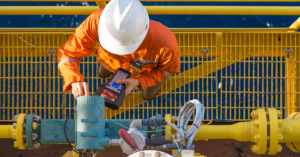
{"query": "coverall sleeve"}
pixel 80 44
pixel 168 65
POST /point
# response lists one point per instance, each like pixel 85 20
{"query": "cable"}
pixel 66 135
pixel 69 141
pixel 185 115
pixel 178 152
pixel 120 124
pixel 177 129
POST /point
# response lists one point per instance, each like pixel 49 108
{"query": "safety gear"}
pixel 158 54
pixel 102 72
pixel 123 26
pixel 151 92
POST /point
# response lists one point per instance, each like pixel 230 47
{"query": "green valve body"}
pixel 90 123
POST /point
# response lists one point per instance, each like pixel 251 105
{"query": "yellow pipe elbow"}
pixel 6 131
pixel 290 129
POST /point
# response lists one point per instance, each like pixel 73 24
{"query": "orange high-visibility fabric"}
pixel 158 54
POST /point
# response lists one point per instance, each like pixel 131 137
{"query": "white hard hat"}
pixel 123 26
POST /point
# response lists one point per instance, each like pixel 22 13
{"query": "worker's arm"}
pixel 168 65
pixel 130 84
pixel 80 44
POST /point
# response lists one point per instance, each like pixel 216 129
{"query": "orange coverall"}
pixel 158 54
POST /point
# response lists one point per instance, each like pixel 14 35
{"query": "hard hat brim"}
pixel 110 44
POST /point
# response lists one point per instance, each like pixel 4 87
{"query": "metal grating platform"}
pixel 230 73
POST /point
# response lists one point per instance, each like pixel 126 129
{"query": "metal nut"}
pixel 16 117
pixel 256 137
pixel 256 123
pixel 255 148
pixel 153 136
pixel 254 114
pixel 15 125
pixel 279 114
pixel 142 154
pixel 114 142
pixel 36 144
pixel 14 136
pixel 280 123
pixel 173 117
pixel 34 136
pixel 36 118
pixel 279 148
pixel 280 137
pixel 157 154
pixel 34 125
pixel 288 130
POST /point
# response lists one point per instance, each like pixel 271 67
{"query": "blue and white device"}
pixel 114 93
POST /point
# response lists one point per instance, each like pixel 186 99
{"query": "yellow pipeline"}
pixel 6 131
pixel 290 131
pixel 166 10
pixel 245 131
pixel 242 131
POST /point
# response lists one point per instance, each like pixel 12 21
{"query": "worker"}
pixel 127 39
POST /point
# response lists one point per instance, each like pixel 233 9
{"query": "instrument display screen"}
pixel 109 95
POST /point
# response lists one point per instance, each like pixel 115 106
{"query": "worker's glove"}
pixel 80 88
pixel 130 84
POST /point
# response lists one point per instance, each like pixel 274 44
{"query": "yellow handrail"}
pixel 296 24
pixel 101 4
pixel 179 0
pixel 172 29
pixel 162 10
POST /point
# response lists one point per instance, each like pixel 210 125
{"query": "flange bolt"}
pixel 157 154
pixel 142 154
pixel 16 117
pixel 14 125
pixel 34 125
pixel 36 144
pixel 34 136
